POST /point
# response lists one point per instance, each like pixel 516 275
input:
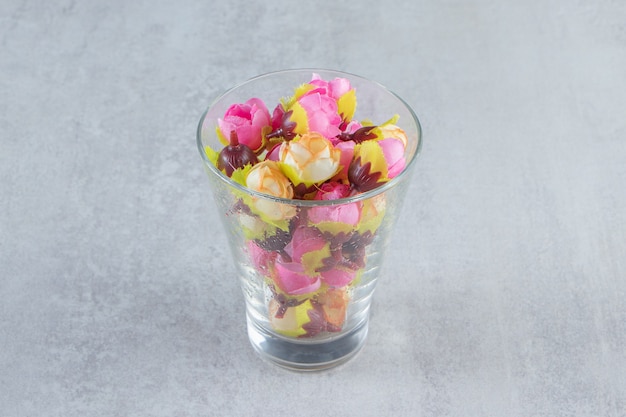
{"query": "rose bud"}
pixel 347 153
pixel 309 248
pixel 261 258
pixel 292 279
pixel 309 159
pixel 316 113
pixel 392 131
pixel 266 177
pixel 338 277
pixel 235 155
pixel 341 91
pixel 336 218
pixel 393 150
pixel 311 109
pixel 393 143
pixel 250 120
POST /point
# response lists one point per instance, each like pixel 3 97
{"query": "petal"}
pixel 347 152
pixel 393 150
pixel 304 240
pixel 291 279
pixel 332 191
pixel 346 105
pixel 336 219
pixel 260 258
pixel 322 114
pixel 338 87
pixel 338 277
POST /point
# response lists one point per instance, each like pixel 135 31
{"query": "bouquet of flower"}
pixel 308 148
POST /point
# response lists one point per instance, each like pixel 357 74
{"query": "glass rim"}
pixel 302 202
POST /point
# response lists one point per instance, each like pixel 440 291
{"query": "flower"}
pixel 292 279
pixel 304 239
pixel 261 259
pixel 266 177
pixel 315 112
pixel 318 106
pixel 309 159
pixel 309 256
pixel 393 150
pixel 335 219
pixel 332 191
pixel 235 155
pixel 338 277
pixel 393 144
pixel 308 248
pixel 341 91
pixel 390 130
pixel 250 120
pixel 347 152
pixel 336 88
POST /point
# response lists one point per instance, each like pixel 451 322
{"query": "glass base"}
pixel 307 355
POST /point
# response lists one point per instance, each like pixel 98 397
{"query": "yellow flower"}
pixel 266 177
pixel 309 159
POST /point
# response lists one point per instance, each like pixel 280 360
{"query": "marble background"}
pixel 504 292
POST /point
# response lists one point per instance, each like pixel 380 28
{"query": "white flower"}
pixel 309 159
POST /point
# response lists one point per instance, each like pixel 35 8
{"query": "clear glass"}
pixel 325 327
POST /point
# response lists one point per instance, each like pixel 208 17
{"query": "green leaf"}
pixel 212 154
pixel 225 141
pixel 240 174
pixel 392 121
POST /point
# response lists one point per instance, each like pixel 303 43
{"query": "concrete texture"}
pixel 504 293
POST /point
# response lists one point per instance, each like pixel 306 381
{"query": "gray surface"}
pixel 504 291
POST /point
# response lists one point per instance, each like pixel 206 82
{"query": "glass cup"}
pixel 308 310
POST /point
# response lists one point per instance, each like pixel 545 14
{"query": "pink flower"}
pixel 292 279
pixel 315 112
pixel 318 106
pixel 332 191
pixel 260 257
pixel 338 277
pixel 393 141
pixel 336 218
pixel 248 120
pixel 340 90
pixel 304 240
pixel 345 158
pixel 335 88
pixel 393 150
